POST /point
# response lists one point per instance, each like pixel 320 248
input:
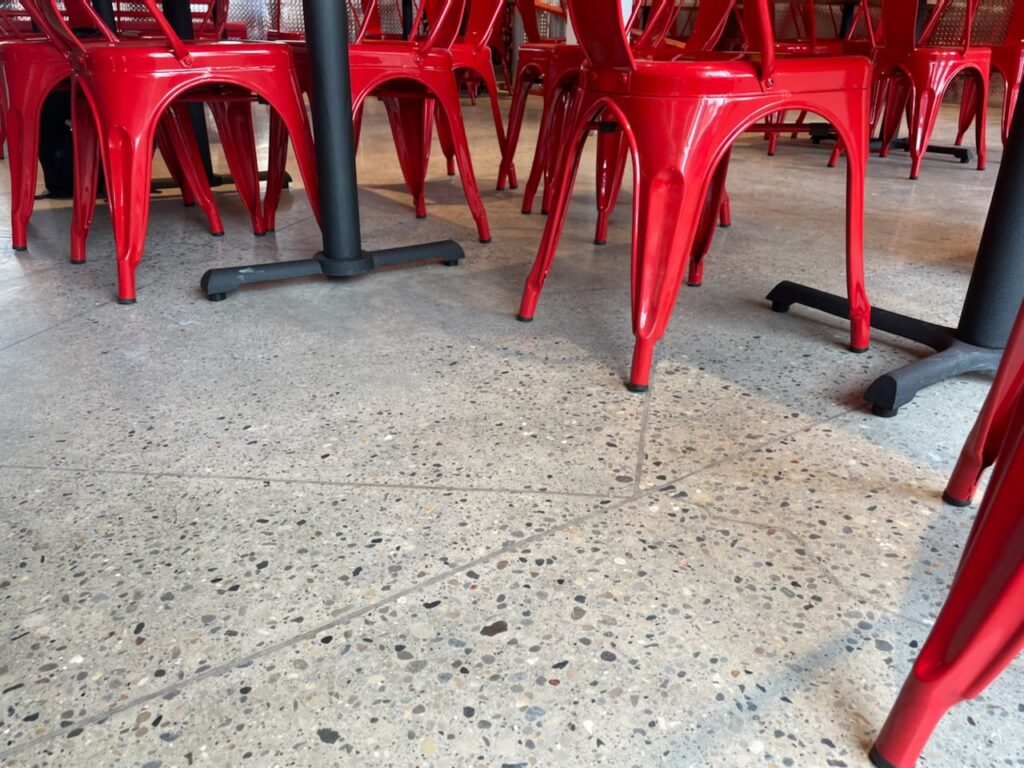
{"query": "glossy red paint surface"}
pixel 981 627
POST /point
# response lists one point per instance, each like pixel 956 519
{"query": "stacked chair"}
pixel 413 78
pixel 999 24
pixel 123 86
pixel 680 118
pixel 981 627
pixel 915 66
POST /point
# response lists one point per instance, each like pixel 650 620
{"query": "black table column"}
pixel 993 296
pixel 342 255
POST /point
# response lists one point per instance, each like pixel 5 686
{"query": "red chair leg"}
pixel 289 111
pixel 968 106
pixel 448 99
pixel 238 140
pixel 854 135
pixel 896 101
pixel 565 177
pixel 163 143
pixel 1010 103
pixel 444 138
pixel 706 227
pixel 127 170
pixel 86 149
pixel 981 80
pixel 980 628
pixel 985 439
pixel 725 211
pixel 525 80
pixel 612 152
pixel 799 121
pixel 772 136
pixel 542 151
pixel 276 167
pixel 23 151
pixel 667 200
pixel 499 126
pixel 411 119
pixel 179 131
pixel 924 113
pixel 555 145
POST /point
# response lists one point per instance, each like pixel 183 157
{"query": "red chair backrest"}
pixel 481 18
pixel 602 31
pixel 16 23
pixel 949 25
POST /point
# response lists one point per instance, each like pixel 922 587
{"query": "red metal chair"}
pixel 680 119
pixel 918 74
pixel 982 446
pixel 33 68
pixel 412 78
pixel 120 90
pixel 1000 25
pixel 981 627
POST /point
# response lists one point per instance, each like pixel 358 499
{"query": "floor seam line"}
pixel 309 481
pixel 226 667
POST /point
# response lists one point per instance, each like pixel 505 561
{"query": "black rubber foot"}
pixel 20 248
pixel 216 234
pixel 125 302
pixel 879 761
pixel 485 242
pixel 270 231
pixel 419 216
pixel 694 285
pixel 771 154
pixel 543 212
pixel 859 350
pixel 637 387
pixel 600 242
pixel 514 186
pixel 780 307
pixel 725 226
pixel 955 502
pixel 76 263
pixel 885 413
pixel 260 234
pixel 526 213
pixel 522 319
pixel 913 178
pixel 216 296
pixel 451 263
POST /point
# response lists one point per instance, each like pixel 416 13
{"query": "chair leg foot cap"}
pixel 859 350
pixel 125 302
pixel 600 242
pixel 524 319
pixel 954 502
pixel 639 388
pixel 21 248
pixel 879 762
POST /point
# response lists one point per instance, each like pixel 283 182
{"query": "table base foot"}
pixel 892 391
pixel 217 283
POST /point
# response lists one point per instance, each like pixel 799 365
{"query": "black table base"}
pixel 990 308
pixel 218 283
pixel 892 391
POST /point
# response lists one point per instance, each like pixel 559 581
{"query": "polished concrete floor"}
pixel 378 522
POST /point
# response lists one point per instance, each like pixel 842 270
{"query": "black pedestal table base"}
pixel 892 391
pixel 218 283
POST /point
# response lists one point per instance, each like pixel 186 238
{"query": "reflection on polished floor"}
pixel 378 522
